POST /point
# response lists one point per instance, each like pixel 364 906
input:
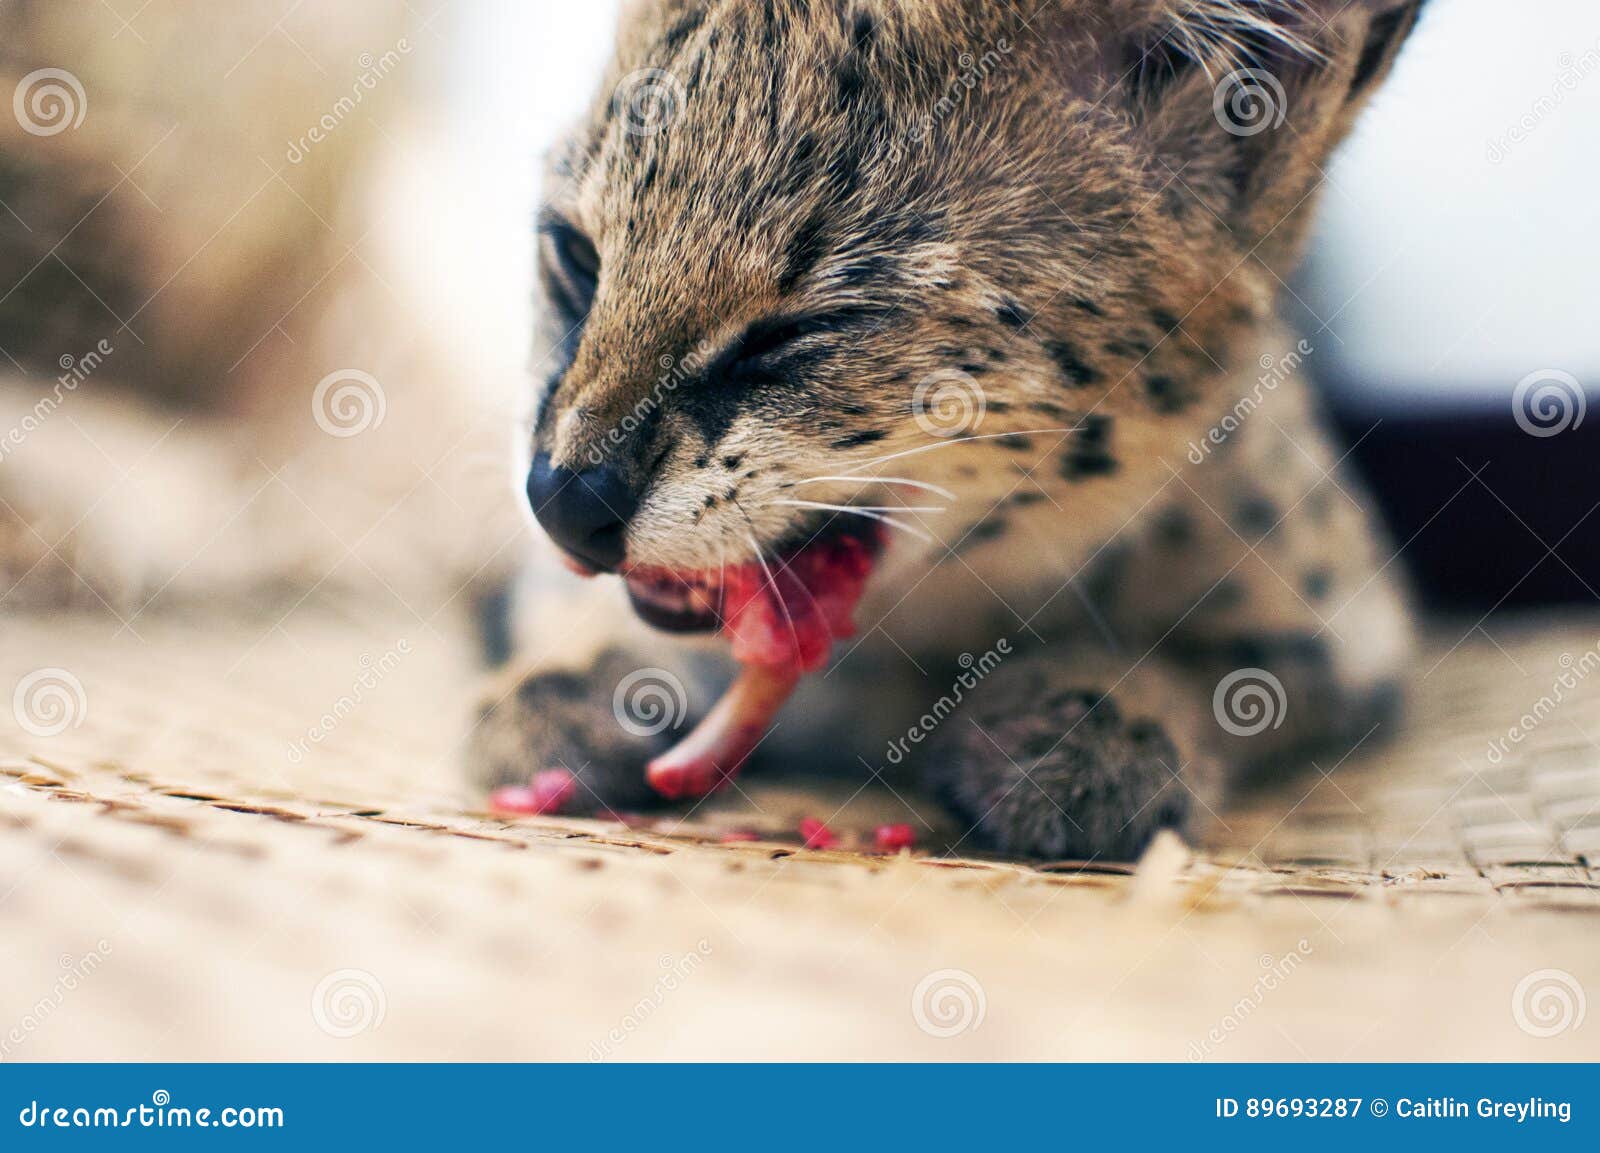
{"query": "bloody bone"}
pixel 782 624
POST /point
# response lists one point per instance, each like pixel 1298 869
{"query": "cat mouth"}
pixel 783 611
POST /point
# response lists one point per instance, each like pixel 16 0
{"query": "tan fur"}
pixel 1052 213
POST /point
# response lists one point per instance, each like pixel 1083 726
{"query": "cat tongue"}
pixel 782 624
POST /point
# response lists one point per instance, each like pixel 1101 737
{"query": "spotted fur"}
pixel 850 205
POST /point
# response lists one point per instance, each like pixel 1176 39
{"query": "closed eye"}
pixel 778 342
pixel 570 266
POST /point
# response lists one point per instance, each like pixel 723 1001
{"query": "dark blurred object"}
pixel 1486 515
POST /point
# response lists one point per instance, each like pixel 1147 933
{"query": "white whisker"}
pixel 877 516
pixel 956 441
pixel 859 507
pixel 901 480
pixel 772 581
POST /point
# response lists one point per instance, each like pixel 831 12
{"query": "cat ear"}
pixel 1248 98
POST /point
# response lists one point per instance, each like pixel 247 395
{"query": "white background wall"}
pixel 1450 276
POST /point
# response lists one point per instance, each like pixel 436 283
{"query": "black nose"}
pixel 585 512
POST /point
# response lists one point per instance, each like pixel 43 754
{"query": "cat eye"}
pixel 769 344
pixel 570 265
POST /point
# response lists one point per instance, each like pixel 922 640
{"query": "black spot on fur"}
pixel 1077 372
pixel 1027 498
pixel 1166 394
pixel 1165 321
pixel 863 31
pixel 1014 443
pixel 1255 514
pixel 1226 595
pixel 1011 315
pixel 805 250
pixel 1089 450
pixel 1273 652
pixel 1083 304
pixel 1173 528
pixel 986 531
pixel 1131 349
pixel 1144 732
pixel 1382 36
pixel 733 462
pixel 1318 584
pixel 858 439
pixel 860 273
